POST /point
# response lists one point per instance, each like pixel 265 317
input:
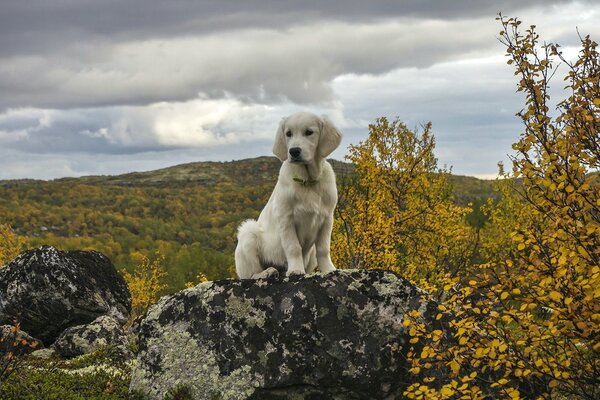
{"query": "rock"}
pixel 338 335
pixel 44 354
pixel 85 339
pixel 17 342
pixel 49 290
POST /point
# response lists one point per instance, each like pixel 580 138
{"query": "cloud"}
pixel 295 64
pixel 258 62
pixel 164 126
pixel 89 85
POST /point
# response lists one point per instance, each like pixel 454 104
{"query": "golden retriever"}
pixel 294 228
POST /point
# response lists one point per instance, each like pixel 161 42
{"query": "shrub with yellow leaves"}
pixel 11 244
pixel 531 314
pixel 200 278
pixel 145 284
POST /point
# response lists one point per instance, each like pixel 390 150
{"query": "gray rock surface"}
pixel 49 290
pixel 85 339
pixel 44 354
pixel 333 336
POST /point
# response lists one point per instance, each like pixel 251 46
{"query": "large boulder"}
pixel 338 335
pixel 84 339
pixel 48 290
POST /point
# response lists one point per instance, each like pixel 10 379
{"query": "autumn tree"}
pixel 397 211
pixel 530 316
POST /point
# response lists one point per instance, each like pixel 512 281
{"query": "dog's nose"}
pixel 295 152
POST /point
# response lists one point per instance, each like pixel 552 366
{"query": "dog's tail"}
pixel 247 260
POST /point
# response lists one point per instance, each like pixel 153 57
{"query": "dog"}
pixel 293 231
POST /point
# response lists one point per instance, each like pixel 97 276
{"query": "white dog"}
pixel 294 228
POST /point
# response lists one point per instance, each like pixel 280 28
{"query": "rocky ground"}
pixel 340 335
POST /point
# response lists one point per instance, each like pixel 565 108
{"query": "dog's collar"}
pixel 306 182
pixel 309 181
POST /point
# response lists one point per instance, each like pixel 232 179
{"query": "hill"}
pixel 189 213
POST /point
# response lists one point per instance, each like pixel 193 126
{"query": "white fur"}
pixel 294 228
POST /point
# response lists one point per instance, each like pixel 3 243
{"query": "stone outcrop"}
pixel 338 335
pixel 48 290
pixel 85 339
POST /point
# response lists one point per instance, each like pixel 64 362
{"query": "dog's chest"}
pixel 309 204
pixel 310 211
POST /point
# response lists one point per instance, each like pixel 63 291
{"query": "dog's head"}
pixel 304 136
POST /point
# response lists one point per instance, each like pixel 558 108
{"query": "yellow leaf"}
pixel 454 366
pixel 415 370
pixel 568 300
pixel 554 295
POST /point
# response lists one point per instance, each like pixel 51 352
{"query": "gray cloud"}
pixel 265 65
pixel 85 54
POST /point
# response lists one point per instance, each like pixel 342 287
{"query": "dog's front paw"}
pixel 325 268
pixel 295 271
pixel 267 273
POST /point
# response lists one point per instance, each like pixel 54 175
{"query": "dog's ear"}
pixel 279 147
pixel 330 138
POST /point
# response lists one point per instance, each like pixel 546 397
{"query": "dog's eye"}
pixel 308 132
pixel 288 134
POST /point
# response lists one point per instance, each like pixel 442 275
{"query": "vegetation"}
pixel 102 375
pixel 10 244
pixel 521 292
pixel 146 283
pixel 190 218
pixel 398 212
pixel 188 213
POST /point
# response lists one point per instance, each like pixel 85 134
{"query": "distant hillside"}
pixel 189 212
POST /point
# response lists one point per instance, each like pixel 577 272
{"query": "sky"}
pixel 107 87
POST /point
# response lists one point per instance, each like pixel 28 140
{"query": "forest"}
pixel 188 213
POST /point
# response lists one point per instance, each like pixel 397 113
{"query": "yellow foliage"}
pixel 398 213
pixel 199 279
pixel 10 244
pixel 535 319
pixel 145 283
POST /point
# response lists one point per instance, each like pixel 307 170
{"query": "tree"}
pixel 397 212
pixel 531 314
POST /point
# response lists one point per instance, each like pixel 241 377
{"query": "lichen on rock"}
pixel 48 290
pixel 338 335
pixel 84 339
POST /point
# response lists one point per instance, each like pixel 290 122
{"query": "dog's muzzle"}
pixel 295 154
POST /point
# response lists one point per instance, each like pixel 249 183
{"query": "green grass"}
pixel 102 375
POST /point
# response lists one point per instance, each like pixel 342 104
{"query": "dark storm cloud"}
pixel 73 53
pixel 151 18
